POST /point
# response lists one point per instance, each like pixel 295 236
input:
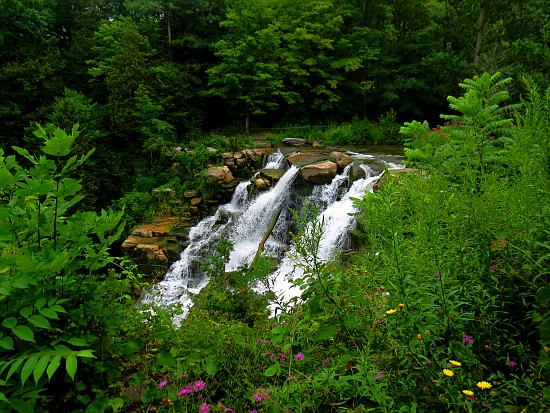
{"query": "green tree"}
pixel 122 63
pixel 249 76
pixel 51 262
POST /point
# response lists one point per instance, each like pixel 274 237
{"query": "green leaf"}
pixel 543 295
pixel 85 353
pixel 325 332
pixel 41 302
pixel 48 312
pixel 57 308
pixel 54 364
pixel 165 359
pixel 40 368
pixel 24 333
pixel 27 369
pixel 6 179
pixel 7 343
pixel 40 321
pixel 10 322
pixel 70 364
pixel 26 311
pixel 3 398
pixel 271 371
pixel 14 367
pixel 77 342
pixel 211 365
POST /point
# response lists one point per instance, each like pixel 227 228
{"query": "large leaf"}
pixel 71 364
pixel 28 369
pixel 40 321
pixel 54 364
pixel 24 333
pixel 40 368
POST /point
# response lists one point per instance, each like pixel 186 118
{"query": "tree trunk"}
pixel 480 30
pixel 247 122
pixel 264 239
pixel 169 28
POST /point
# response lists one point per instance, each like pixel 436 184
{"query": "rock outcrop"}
pixel 319 173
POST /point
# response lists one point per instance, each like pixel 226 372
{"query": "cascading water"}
pixel 244 222
pixel 336 221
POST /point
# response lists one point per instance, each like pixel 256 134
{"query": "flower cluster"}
pixel 190 388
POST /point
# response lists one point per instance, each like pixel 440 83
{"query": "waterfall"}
pixel 337 222
pixel 251 221
pixel 275 160
pixel 244 221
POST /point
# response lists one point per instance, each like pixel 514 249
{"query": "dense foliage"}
pixel 443 306
pixel 144 76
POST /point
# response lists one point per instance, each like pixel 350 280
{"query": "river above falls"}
pixel 246 219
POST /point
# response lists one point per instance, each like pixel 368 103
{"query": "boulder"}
pixel 341 159
pixel 319 173
pixel 249 154
pixel 227 155
pixel 222 174
pixel 196 201
pixel 272 174
pixel 305 158
pixel 294 142
pixel 191 193
pixel 261 183
pixel 316 144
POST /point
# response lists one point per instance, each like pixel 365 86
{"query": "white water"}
pixel 337 224
pixel 245 222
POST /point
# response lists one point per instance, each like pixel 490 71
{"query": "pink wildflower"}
pixel 199 385
pixel 467 339
pixel 185 391
pixel 379 374
pixel 163 383
pixel 205 408
pixel 325 362
pixel 299 356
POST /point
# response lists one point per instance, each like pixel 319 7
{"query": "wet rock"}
pixel 196 201
pixel 272 174
pixel 319 173
pixel 294 142
pixel 261 183
pixel 227 155
pixel 305 158
pixel 341 159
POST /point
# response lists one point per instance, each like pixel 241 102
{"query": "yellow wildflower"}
pixel 484 385
pixel 468 392
pixel 449 373
pixel 455 363
pixel 391 311
pixel 401 306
